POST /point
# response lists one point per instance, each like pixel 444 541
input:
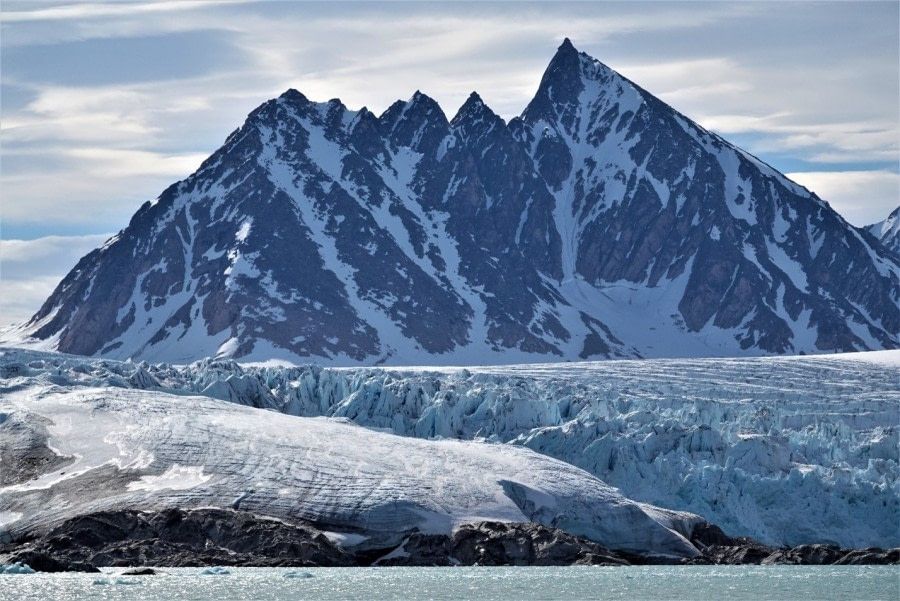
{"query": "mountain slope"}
pixel 601 223
pixel 888 231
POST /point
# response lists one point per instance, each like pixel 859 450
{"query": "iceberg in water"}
pixel 16 568
pixel 215 571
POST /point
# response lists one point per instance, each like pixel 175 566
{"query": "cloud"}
pixel 92 197
pixel 31 269
pixel 817 84
pixel 109 9
pixel 861 197
pixel 126 163
pixel 784 115
pixel 840 142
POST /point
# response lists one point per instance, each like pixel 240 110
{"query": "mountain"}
pixel 888 231
pixel 599 223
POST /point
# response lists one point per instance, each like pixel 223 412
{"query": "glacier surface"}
pixel 70 450
pixel 787 450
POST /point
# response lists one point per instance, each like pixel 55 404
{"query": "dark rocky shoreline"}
pixel 217 537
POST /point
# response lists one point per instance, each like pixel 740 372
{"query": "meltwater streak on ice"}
pixel 736 583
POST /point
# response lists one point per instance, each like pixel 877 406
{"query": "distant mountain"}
pixel 888 231
pixel 599 223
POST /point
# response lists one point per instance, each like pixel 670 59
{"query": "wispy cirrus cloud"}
pixel 870 141
pixel 95 10
pixel 105 103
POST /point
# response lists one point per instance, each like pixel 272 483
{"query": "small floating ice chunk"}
pixel 16 568
pixel 215 571
pixel 298 575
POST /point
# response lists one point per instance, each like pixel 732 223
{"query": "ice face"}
pixel 786 450
pixel 16 568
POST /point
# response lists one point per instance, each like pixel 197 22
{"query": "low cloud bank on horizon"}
pixel 106 103
pixel 31 269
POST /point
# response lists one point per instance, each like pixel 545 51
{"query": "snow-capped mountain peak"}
pixel 599 223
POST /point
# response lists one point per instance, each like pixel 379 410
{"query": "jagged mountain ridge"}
pixel 600 223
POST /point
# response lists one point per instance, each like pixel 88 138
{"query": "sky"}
pixel 104 104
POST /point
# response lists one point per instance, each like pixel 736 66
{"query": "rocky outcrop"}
pixel 176 538
pixel 140 572
pixel 45 562
pixel 206 537
pixel 888 232
pixel 719 548
pixel 510 544
pixel 499 544
pixel 503 544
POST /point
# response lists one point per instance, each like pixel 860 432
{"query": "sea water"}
pixel 794 583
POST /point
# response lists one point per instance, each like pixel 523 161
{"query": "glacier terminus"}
pixel 594 334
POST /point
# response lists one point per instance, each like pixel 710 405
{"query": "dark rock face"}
pixel 205 537
pixel 25 454
pixel 177 538
pixel 503 544
pixel 719 548
pixel 509 544
pixel 416 550
pixel 499 544
pixel 140 572
pixel 44 562
pixel 336 235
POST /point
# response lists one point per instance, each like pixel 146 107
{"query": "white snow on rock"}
pixel 888 231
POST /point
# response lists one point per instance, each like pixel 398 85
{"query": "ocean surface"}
pixel 696 583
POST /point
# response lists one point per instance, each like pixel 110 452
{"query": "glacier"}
pixel 786 450
pixel 71 450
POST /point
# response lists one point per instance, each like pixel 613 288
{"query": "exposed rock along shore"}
pixel 206 537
